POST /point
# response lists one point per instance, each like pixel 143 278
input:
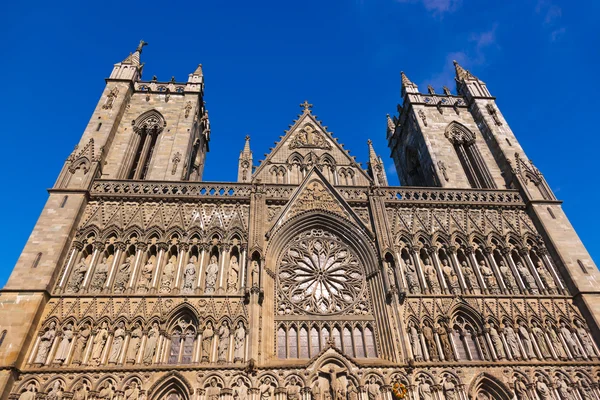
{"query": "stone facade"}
pixel 310 278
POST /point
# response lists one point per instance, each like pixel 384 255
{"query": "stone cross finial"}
pixel 369 142
pixel 306 106
pixel 141 46
pixel 247 137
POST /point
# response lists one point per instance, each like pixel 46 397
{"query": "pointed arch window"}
pixel 470 158
pixel 146 129
pixel 181 348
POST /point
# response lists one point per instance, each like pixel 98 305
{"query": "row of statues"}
pixel 135 346
pixel 471 282
pixel 515 343
pixel 166 283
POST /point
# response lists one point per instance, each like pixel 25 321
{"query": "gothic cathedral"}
pixel 310 278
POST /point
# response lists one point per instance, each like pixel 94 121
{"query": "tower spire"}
pixel 245 162
pixel 407 85
pixel 462 73
pixel 375 166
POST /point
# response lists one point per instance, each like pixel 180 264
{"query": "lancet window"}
pixel 147 129
pixel 183 336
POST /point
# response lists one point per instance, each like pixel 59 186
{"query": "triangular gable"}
pixel 316 193
pixel 307 135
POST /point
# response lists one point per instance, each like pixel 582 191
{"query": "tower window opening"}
pixel 36 260
pixel 583 267
pixel 99 126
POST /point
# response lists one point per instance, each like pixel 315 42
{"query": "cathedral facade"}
pixel 310 278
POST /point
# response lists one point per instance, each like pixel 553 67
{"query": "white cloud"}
pixel 552 15
pixel 556 34
pixel 437 6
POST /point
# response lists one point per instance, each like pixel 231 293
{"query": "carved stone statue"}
pixel 586 340
pixel 99 343
pixel 431 276
pixel 266 389
pixel 65 344
pixel 239 341
pixel 509 278
pixel 415 343
pixel 488 277
pixel 512 341
pixel 207 338
pixel 556 344
pixel 528 278
pixel 587 391
pixel 30 393
pixel 425 390
pixel 546 278
pixel 233 275
pixel 82 391
pixel 150 349
pixel 564 389
pixel 543 390
pixel 45 344
pixel 526 340
pixel 568 336
pixel 132 392
pixel 412 278
pixel 430 342
pixel 213 391
pixel 77 277
pixel 135 340
pixel 317 392
pixel 469 275
pixel 352 392
pixel 497 342
pixel 56 391
pixel 449 389
pixel 166 283
pixel 240 390
pixel 211 275
pixel 189 275
pixel 521 389
pixel 372 388
pixel 224 334
pixel 293 389
pixel 540 339
pixel 390 275
pixel 100 276
pixel 254 273
pixel 117 344
pixel 81 343
pixel 108 391
pixel 123 274
pixel 445 342
pixel 146 273
pixel 450 276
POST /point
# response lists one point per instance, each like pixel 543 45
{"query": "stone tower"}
pixel 307 279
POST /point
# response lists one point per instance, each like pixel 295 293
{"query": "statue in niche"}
pixel 211 275
pixel 224 334
pixel 207 338
pixel 528 278
pixel 556 343
pixel 77 276
pixel 146 276
pixel 526 340
pixel 240 390
pixel 82 391
pixel 546 278
pixel 521 389
pixel 568 336
pixel 123 274
pixel 564 389
pixel 153 335
pixel 317 393
pixel 132 392
pixel 352 392
pixel 166 284
pixel 108 391
pixel 232 276
pixel 449 388
pixel 134 343
pixel 585 339
pixel 266 389
pixel 431 276
pixel 117 345
pixel 445 342
pixel 239 341
pixel 65 344
pixel 254 273
pixel 56 391
pixel 540 339
pixel 543 390
pixel 507 275
pixel 372 388
pixel 293 389
pixel 497 342
pixel 430 342
pixel 450 276
pixel 99 343
pixel 29 393
pixel 390 274
pixel 469 275
pixel 80 344
pixel 587 391
pixel 425 389
pixel 512 341
pixel 45 344
pixel 412 278
pixel 213 390
pixel 488 277
pixel 415 343
pixel 100 276
pixel 189 275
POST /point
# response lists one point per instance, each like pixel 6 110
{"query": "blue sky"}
pixel 262 58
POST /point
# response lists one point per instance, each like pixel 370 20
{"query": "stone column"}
pixel 243 265
pixel 400 264
pixel 456 264
pixel 115 264
pixel 471 253
pixel 547 261
pixel 181 261
pixel 525 256
pixel 489 255
pixel 204 247
pixel 224 249
pixel 76 248
pixel 140 249
pixel 126 340
pixel 162 248
pixel 433 253
pixel 98 248
pixel 417 263
pixel 511 263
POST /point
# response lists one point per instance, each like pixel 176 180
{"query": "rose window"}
pixel 319 274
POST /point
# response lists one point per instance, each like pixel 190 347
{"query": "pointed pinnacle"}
pixel 405 80
pixel 461 73
pixel 198 70
pixel 372 155
pixel 247 145
pixel 390 123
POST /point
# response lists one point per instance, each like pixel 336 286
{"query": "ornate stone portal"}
pixel 310 278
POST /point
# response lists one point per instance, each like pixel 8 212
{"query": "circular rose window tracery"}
pixel 319 274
